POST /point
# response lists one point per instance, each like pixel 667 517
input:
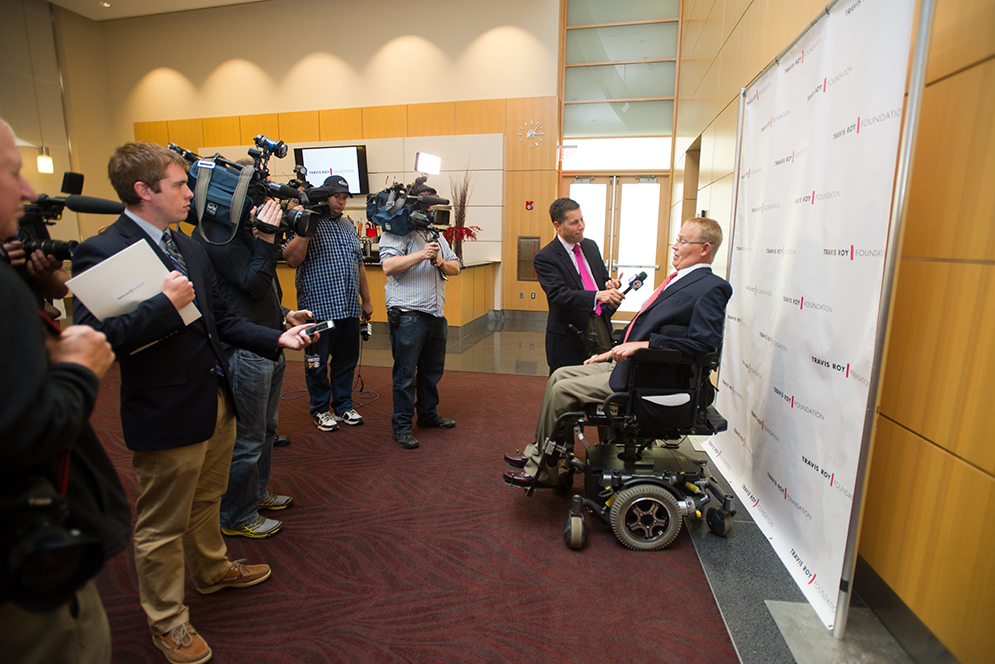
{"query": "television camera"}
pixel 225 193
pixel 397 210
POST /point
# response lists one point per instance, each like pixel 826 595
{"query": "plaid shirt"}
pixel 328 279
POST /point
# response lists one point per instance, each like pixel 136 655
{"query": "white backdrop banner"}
pixel 819 146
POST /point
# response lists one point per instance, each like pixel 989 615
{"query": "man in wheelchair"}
pixel 686 313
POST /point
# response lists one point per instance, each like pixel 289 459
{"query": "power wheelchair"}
pixel 634 478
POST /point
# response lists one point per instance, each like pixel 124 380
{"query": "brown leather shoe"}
pixel 239 576
pixel 183 645
pixel 516 460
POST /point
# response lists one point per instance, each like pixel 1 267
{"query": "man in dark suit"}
pixel 176 404
pixel 570 270
pixel 686 313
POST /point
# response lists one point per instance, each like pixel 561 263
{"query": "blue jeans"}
pixel 256 383
pixel 418 344
pixel 333 355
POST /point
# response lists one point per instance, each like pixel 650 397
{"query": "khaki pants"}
pixel 568 389
pixel 76 633
pixel 179 519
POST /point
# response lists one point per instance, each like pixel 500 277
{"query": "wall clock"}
pixel 530 134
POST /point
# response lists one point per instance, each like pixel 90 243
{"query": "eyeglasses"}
pixel 681 242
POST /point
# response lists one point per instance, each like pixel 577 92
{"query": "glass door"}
pixel 622 214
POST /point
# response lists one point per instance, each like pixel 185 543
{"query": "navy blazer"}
pixel 688 316
pixel 169 389
pixel 569 302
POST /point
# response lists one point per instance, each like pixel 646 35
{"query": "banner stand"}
pixel 899 211
pixel 899 205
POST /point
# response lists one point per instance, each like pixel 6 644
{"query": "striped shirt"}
pixel 422 287
pixel 328 279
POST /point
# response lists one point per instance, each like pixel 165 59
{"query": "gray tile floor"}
pixel 768 619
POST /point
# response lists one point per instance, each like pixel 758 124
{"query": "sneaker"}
pixel 350 417
pixel 239 576
pixel 326 421
pixel 258 528
pixel 272 501
pixel 183 645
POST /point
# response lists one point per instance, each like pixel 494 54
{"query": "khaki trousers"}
pixel 568 389
pixel 179 519
pixel 75 633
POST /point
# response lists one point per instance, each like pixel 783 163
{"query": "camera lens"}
pixel 62 251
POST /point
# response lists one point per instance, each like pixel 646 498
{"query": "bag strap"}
pixel 238 201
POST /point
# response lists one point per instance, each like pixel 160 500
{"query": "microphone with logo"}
pixel 634 284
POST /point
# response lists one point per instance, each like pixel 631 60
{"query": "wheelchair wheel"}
pixel 575 532
pixel 719 521
pixel 564 483
pixel 645 517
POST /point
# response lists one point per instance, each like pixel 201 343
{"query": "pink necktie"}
pixel 651 300
pixel 585 276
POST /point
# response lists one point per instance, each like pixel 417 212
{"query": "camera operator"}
pixel 246 270
pixel 331 281
pixel 48 386
pixel 416 300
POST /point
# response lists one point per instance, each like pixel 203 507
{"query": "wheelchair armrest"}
pixel 671 356
pixel 609 400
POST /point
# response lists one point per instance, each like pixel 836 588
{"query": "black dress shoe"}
pixel 441 423
pixel 281 441
pixel 516 460
pixel 406 440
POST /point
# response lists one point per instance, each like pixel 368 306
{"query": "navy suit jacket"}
pixel 569 302
pixel 169 389
pixel 689 316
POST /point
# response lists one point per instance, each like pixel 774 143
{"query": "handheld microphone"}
pixel 635 283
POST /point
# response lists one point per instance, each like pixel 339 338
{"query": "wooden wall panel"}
pixel 521 186
pixel 519 157
pixel 742 56
pixel 963 34
pixel 385 121
pixel 927 532
pixel 222 131
pixel 187 134
pixel 251 126
pixel 341 124
pixel 454 299
pixel 952 199
pixel 941 361
pixel 724 157
pixel 485 116
pixel 706 156
pixel 785 21
pixel 300 127
pixel 153 132
pixel 432 119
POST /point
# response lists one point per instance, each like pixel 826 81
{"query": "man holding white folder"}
pixel 176 404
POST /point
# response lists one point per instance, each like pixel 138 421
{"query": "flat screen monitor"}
pixel 349 161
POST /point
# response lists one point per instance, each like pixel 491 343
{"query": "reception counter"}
pixel 469 295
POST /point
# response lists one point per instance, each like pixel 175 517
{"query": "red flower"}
pixel 468 233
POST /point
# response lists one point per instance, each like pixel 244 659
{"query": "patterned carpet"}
pixel 393 555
